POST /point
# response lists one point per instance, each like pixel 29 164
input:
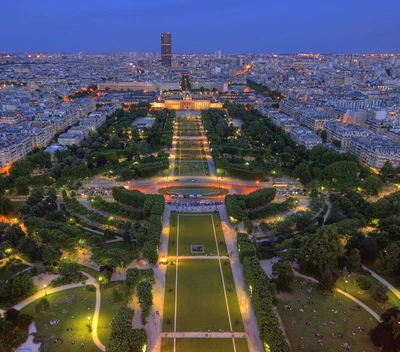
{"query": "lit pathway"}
pixel 198 257
pixel 267 266
pixel 383 281
pixel 91 281
pixel 249 319
pixel 218 335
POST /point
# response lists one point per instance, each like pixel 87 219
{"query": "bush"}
pixel 364 283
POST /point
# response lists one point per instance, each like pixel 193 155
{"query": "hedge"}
pixel 262 293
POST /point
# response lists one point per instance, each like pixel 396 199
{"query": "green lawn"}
pixel 11 269
pixel 323 314
pixel 78 309
pixel 201 345
pixel 197 168
pixel 169 300
pixel 108 308
pixel 196 230
pixel 365 296
pixel 201 301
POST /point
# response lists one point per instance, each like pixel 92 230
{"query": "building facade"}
pixel 166 49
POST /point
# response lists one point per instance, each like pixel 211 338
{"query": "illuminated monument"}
pixel 186 102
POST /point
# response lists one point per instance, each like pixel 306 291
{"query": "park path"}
pixel 154 321
pixel 383 281
pixel 267 266
pixel 218 335
pixel 361 304
pixel 249 319
pixel 90 281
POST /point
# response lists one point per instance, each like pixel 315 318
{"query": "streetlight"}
pixel 45 292
pixel 345 285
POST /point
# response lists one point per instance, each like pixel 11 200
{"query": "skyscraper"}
pixel 166 51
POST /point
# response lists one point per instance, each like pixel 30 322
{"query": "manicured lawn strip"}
pixel 108 309
pixel 365 296
pixel 169 300
pixel 220 234
pixel 196 230
pixel 231 295
pixel 172 233
pixel 210 345
pixel 78 309
pixel 12 269
pixel 323 314
pixel 192 168
pixel 201 302
pixel 167 345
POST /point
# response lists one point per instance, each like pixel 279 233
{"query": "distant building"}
pixel 344 132
pixel 166 49
pixel 376 151
pixel 306 137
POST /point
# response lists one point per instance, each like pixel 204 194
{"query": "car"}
pixel 199 196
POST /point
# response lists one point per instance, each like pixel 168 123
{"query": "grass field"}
pixel 300 333
pixel 200 292
pixel 196 229
pixel 201 345
pixel 191 168
pixel 365 296
pixel 201 302
pixel 64 311
pixel 108 308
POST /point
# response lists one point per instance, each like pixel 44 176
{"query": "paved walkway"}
pixel 154 321
pixel 383 281
pixel 90 281
pixel 218 335
pixel 267 266
pixel 246 309
pixel 361 304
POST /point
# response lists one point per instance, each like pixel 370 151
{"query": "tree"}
pixel 42 306
pixel 354 260
pixel 319 252
pixel 390 258
pixel 23 321
pixel 388 170
pixel 149 251
pixel 283 276
pixel 51 255
pixel 22 186
pixel 23 286
pixel 11 314
pixel 380 292
pixel 326 281
pixel 302 172
pixel 119 257
pixel 373 185
pixel 5 205
pixel 145 297
pixel 70 271
pixel 386 335
pixel 364 283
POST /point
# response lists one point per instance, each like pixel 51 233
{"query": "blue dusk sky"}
pixel 201 26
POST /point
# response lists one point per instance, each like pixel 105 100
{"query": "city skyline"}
pixel 232 27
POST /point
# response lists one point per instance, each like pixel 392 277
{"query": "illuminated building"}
pixel 186 103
